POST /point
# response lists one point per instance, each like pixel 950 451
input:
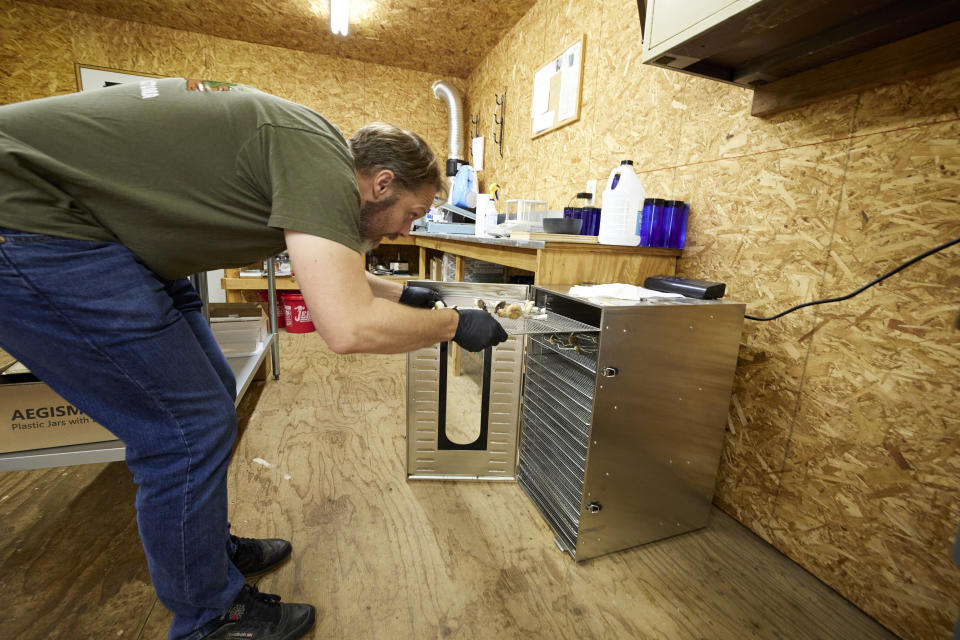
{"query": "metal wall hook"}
pixel 498 119
pixel 475 121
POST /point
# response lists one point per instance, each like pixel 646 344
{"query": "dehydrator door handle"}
pixel 610 372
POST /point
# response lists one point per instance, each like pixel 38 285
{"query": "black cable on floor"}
pixel 861 289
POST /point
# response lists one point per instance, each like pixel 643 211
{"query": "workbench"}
pixel 550 261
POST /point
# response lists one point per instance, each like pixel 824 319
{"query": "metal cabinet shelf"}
pixel 244 369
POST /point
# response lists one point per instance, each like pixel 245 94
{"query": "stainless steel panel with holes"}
pixel 622 412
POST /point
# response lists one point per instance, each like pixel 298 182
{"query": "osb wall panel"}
pixel 872 478
pixel 638 113
pixel 566 151
pixel 32 68
pixel 842 445
pixel 715 124
pixel 40 46
pixel 507 68
pixel 765 225
pixel 920 101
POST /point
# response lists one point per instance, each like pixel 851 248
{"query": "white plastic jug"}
pixel 622 203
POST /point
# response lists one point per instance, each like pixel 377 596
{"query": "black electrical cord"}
pixel 861 289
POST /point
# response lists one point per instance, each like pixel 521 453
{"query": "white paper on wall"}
pixel 476 148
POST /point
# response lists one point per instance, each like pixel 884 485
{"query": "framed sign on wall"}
pixel 90 78
pixel 557 88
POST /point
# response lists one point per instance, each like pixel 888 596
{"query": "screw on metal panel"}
pixel 601 386
pixel 688 462
pixel 699 388
pixel 607 473
pixel 594 442
pixel 671 460
pixel 678 524
pixel 624 330
pixel 691 327
pixel 614 406
pixel 711 316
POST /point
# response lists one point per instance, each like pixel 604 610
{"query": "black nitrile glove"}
pixel 419 297
pixel 478 330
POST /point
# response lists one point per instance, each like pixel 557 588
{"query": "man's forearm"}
pixel 355 313
pixel 386 327
pixel 383 288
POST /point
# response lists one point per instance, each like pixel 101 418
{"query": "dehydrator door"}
pixel 463 408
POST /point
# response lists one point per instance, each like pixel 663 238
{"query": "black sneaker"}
pixel 261 616
pixel 255 556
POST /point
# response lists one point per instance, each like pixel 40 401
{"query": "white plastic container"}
pixel 622 203
pixel 486 215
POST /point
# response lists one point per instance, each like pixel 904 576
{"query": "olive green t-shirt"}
pixel 188 178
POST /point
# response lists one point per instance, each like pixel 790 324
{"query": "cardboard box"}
pixel 33 416
pixel 240 328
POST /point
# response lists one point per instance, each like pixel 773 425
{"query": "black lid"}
pixel 584 195
pixel 674 203
pixel 629 162
pixel 660 201
pixel 647 201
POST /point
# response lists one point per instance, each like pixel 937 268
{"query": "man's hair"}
pixel 379 146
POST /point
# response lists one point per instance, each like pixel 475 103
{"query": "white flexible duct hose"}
pixel 451 96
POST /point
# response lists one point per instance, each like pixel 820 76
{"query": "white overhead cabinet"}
pixel 670 24
pixel 756 43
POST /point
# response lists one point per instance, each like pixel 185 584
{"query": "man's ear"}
pixel 382 184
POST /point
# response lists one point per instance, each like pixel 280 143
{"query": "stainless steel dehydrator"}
pixel 609 413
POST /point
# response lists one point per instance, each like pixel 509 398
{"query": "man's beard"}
pixel 370 231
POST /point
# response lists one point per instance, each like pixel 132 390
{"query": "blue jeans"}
pixel 134 352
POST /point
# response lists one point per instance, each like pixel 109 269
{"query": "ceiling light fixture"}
pixel 340 16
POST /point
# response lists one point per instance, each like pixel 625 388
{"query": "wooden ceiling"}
pixel 446 37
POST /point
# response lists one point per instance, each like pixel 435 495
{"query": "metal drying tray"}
pixel 464 295
pixel 553 323
pixel 538 323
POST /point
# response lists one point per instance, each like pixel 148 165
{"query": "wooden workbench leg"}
pixel 541 271
pixel 232 295
pixel 423 274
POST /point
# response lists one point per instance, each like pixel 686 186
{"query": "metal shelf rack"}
pixel 244 368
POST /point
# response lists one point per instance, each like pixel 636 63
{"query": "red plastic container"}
pixel 281 314
pixel 298 316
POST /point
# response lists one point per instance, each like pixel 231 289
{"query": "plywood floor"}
pixel 382 558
